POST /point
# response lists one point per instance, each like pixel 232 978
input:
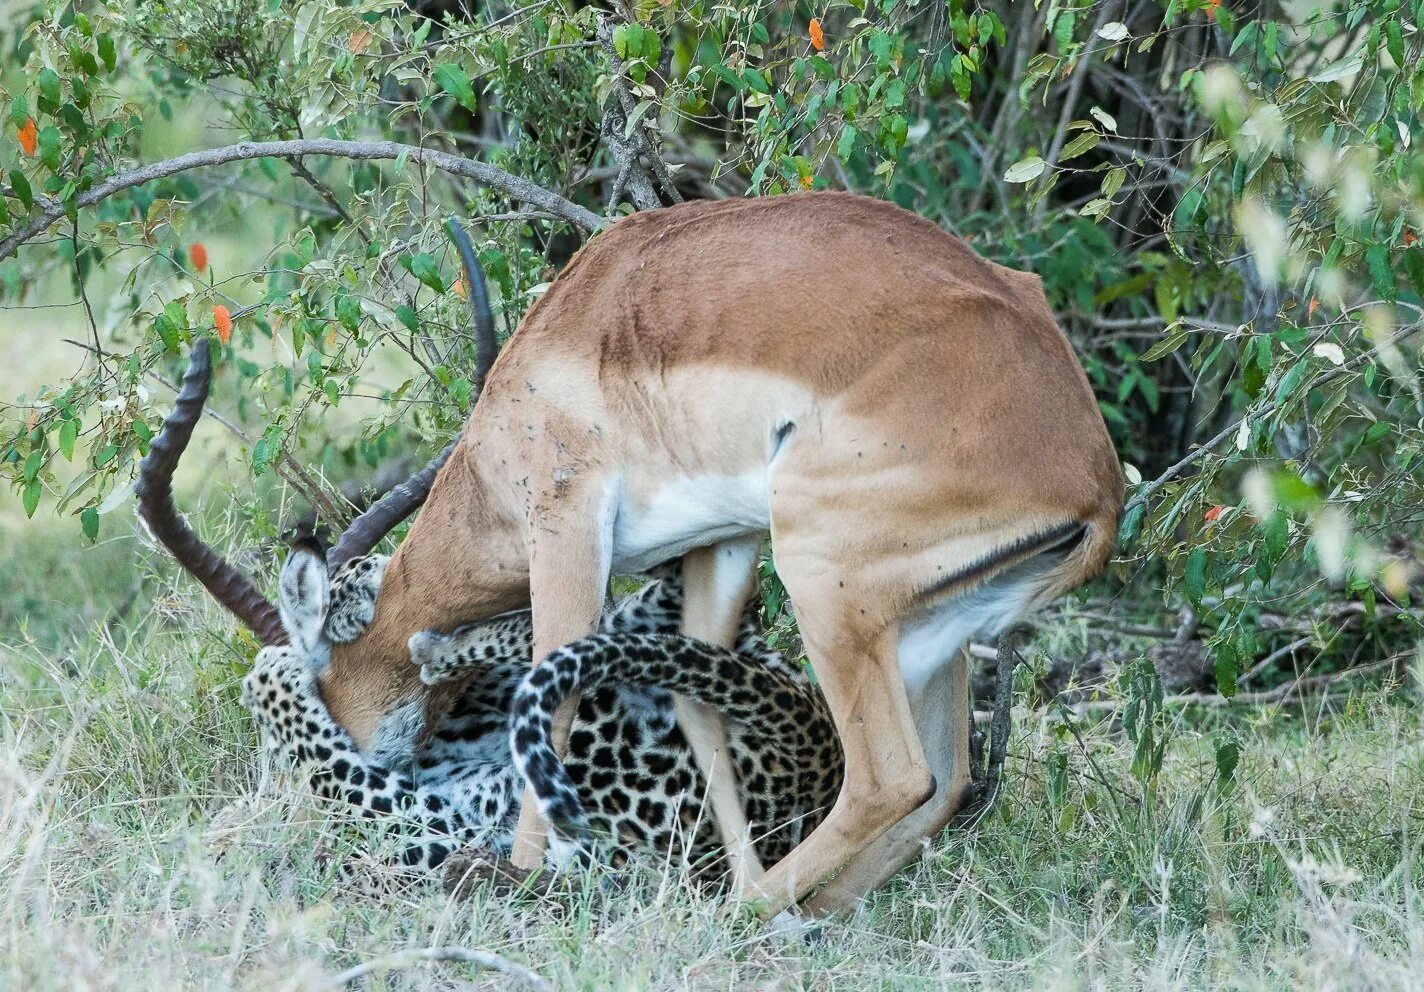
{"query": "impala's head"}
pixel 374 708
pixel 295 631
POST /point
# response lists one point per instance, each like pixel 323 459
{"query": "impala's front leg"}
pixel 571 554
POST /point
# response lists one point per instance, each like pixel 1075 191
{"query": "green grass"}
pixel 141 848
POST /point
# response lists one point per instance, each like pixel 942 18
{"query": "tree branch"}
pixel 486 175
pixel 481 959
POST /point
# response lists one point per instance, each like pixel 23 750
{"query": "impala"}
pixel 904 417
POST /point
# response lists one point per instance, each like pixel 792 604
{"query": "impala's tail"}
pixel 743 688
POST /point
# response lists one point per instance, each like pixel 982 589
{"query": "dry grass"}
pixel 141 848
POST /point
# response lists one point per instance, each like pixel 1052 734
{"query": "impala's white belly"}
pixel 686 513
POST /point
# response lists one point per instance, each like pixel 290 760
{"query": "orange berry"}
pixel 222 320
pixel 29 137
pixel 818 37
pixel 199 256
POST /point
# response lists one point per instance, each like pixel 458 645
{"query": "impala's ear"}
pixel 305 594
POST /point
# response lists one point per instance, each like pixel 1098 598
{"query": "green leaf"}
pixel 1083 143
pixel 846 145
pixel 1227 668
pixel 1394 41
pixel 628 41
pixel 1195 576
pixel 1228 756
pixel 106 51
pixel 68 434
pixel 19 110
pixel 33 462
pixel 423 267
pixel 50 92
pixel 348 311
pixel 1377 431
pixel 1176 337
pixel 89 520
pixel 1112 181
pixel 408 317
pixel 1381 274
pixel 1131 524
pixel 166 332
pixel 51 142
pixel 20 188
pixel 31 497
pixel 1277 535
pixel 454 80
pixel 1290 381
pixel 1025 170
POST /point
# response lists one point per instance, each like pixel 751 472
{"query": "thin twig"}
pixel 486 175
pixel 481 959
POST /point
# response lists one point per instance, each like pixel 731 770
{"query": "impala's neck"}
pixel 463 560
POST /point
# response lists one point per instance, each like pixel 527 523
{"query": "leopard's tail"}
pixel 740 687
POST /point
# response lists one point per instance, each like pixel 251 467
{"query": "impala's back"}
pixel 826 366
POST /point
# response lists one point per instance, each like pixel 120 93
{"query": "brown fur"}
pixel 940 417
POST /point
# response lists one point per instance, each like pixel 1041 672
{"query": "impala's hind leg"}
pixel 569 564
pixel 941 714
pixel 717 581
pixel 886 775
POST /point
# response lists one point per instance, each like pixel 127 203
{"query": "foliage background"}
pixel 1222 200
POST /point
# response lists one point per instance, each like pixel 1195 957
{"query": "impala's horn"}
pixel 366 531
pixel 154 489
pixel 486 345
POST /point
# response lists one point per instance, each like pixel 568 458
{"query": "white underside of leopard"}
pixel 629 782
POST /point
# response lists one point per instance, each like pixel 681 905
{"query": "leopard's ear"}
pixel 303 600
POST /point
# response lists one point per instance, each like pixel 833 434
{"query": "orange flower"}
pixel 818 37
pixel 222 320
pixel 199 255
pixel 1211 6
pixel 1214 512
pixel 1314 306
pixel 29 137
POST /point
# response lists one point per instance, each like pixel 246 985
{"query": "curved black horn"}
pixel 366 531
pixel 486 344
pixel 154 489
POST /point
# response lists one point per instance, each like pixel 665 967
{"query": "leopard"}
pixel 628 785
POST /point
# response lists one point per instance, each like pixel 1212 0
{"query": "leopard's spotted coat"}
pixel 629 777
